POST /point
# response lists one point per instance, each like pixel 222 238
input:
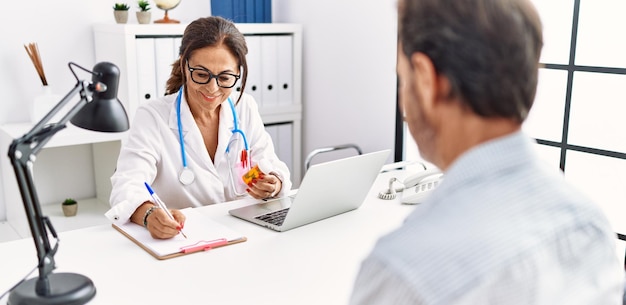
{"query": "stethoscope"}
pixel 187 176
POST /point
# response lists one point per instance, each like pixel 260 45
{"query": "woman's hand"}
pixel 162 226
pixel 265 186
pixel 157 222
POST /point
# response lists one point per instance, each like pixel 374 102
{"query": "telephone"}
pixel 418 186
pixel 415 188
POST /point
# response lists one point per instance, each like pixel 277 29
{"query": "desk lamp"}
pixel 98 110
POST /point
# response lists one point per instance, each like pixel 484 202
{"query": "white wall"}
pixel 349 81
pixel 349 66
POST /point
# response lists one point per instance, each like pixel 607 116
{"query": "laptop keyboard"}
pixel 275 218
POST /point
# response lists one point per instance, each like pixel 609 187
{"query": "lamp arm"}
pixel 41 133
pixel 22 153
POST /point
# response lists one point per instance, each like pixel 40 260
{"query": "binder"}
pixel 253 84
pixel 269 70
pixel 146 70
pixel 285 147
pixel 267 11
pixel 222 8
pixel 243 11
pixel 281 134
pixel 202 232
pixel 250 11
pixel 259 11
pixel 239 11
pixel 164 55
pixel 285 70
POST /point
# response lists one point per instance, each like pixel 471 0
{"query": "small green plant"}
pixel 144 5
pixel 69 201
pixel 121 7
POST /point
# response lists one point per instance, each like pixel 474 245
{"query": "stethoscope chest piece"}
pixel 186 176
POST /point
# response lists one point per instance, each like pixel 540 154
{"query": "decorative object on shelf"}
pixel 120 11
pixel 97 109
pixel 43 102
pixel 166 5
pixel 143 15
pixel 33 52
pixel 70 207
pixel 243 11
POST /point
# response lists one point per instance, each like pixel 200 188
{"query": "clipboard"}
pixel 202 232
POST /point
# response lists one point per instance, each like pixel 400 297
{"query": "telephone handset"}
pixel 415 188
pixel 418 186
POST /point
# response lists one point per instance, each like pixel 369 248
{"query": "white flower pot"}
pixel 70 210
pixel 143 17
pixel 120 16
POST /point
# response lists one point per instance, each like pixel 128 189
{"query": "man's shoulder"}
pixel 452 263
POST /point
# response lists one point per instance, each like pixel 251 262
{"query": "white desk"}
pixel 313 264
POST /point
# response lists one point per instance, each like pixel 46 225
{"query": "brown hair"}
pixel 488 49
pixel 204 32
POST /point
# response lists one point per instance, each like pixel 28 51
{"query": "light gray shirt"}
pixel 502 228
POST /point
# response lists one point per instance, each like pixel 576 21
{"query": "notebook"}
pixel 202 232
pixel 327 189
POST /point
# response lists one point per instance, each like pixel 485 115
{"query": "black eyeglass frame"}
pixel 212 76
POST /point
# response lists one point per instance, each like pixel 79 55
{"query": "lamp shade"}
pixel 105 112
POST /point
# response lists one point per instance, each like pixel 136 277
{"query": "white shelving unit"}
pixel 144 53
pixel 104 148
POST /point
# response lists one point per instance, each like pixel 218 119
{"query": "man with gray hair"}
pixel 503 227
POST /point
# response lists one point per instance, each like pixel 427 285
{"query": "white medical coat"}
pixel 152 154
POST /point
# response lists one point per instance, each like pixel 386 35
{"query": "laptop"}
pixel 327 189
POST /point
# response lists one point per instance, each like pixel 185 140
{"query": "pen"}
pixel 161 204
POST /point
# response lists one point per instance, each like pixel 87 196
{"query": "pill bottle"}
pixel 264 166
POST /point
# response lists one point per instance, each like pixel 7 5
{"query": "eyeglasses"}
pixel 203 76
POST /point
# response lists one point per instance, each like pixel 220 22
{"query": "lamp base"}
pixel 65 288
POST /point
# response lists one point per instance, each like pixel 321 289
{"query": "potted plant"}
pixel 120 11
pixel 143 15
pixel 70 206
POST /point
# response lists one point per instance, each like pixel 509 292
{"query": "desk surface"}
pixel 313 264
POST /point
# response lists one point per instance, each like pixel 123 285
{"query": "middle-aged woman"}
pixel 193 145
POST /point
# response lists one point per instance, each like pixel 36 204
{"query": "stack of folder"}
pixel 243 11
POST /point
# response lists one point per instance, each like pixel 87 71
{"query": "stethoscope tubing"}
pixel 236 126
pixel 180 128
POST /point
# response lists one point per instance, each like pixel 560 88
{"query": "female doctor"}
pixel 193 145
